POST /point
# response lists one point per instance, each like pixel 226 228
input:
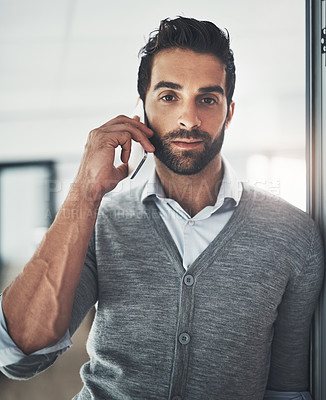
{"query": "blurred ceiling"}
pixel 67 66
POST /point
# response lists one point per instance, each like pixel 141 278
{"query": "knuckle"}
pixel 93 133
pixel 121 116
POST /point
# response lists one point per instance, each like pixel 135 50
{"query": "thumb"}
pixel 119 174
pixel 122 171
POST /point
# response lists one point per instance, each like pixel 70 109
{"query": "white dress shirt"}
pixel 193 234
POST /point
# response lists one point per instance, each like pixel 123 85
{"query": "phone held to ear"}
pixel 132 172
pixel 138 154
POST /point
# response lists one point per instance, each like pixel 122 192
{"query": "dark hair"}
pixel 187 33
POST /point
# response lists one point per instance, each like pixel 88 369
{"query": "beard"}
pixel 187 162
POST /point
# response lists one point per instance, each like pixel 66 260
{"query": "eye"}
pixel 209 100
pixel 168 98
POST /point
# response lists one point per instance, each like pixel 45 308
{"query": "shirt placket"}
pixel 188 245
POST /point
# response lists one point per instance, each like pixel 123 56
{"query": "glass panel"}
pixel 316 151
pixel 24 207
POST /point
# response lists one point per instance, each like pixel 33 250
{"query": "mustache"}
pixel 186 134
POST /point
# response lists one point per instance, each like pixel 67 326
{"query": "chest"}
pixel 231 286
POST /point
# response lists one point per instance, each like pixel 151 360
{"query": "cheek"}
pixel 213 121
pixel 160 120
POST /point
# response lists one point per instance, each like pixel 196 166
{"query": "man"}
pixel 205 288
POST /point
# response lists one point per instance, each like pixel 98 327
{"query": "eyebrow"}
pixel 177 86
pixel 209 89
pixel 169 85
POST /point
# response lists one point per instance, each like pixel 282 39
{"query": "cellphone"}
pixel 138 155
pixel 139 166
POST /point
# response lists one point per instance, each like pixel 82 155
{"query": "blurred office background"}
pixel 68 66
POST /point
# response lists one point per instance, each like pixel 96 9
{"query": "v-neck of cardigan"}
pixel 215 248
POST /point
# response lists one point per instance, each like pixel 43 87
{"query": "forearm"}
pixel 37 305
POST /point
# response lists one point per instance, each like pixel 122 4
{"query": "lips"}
pixel 187 144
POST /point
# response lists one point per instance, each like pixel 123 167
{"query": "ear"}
pixel 230 114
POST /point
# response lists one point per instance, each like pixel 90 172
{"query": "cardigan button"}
pixel 176 398
pixel 184 338
pixel 188 280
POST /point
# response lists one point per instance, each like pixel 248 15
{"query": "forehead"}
pixel 187 68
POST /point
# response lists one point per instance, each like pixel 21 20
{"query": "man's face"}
pixel 186 107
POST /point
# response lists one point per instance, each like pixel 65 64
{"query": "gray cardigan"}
pixel 235 323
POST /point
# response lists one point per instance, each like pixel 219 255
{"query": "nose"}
pixel 189 118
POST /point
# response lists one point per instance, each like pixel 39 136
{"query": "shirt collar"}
pixel 231 187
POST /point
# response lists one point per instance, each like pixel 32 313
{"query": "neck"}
pixel 192 192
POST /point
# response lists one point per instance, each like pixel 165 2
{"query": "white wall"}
pixel 67 66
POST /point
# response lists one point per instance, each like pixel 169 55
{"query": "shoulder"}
pixel 273 209
pixel 121 205
pixel 289 231
pixel 278 220
pixel 120 197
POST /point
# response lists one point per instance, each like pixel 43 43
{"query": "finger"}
pixel 132 131
pixel 135 122
pixel 125 150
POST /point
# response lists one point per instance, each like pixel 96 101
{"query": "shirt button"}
pixel 191 222
pixel 188 280
pixel 184 338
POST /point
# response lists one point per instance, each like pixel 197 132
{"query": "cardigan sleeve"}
pixel 289 367
pixel 10 353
